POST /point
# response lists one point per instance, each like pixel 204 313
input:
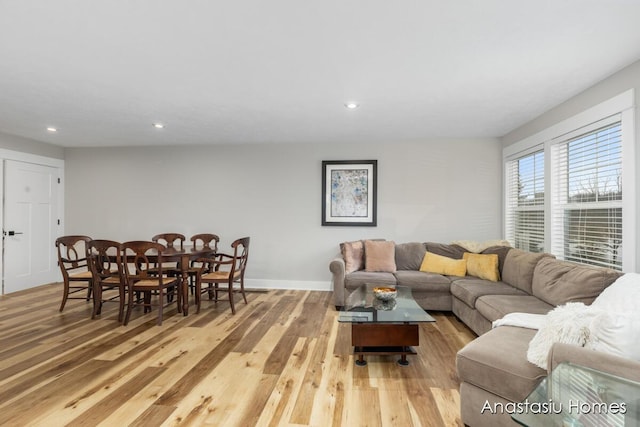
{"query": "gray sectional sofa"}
pixel 494 367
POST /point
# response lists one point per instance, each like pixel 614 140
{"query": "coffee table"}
pixel 383 328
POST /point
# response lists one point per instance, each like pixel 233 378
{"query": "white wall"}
pixel 627 78
pixel 437 190
pixel 25 145
pixel 617 83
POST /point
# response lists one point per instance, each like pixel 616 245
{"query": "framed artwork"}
pixel 349 192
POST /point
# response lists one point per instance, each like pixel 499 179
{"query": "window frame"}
pixel 512 207
pixel 622 105
pixel 561 205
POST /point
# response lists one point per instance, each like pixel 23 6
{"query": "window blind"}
pixel 525 202
pixel 587 208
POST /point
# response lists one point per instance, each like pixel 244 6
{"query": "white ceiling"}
pixel 238 71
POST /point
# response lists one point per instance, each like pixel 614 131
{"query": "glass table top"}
pixel 577 396
pixel 363 307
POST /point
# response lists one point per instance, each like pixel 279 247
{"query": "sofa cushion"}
pixel 469 290
pixel 450 251
pixel 502 252
pixel 558 282
pixel 409 255
pixel 497 362
pixel 379 256
pixel 433 263
pixel 353 255
pixel 482 266
pixel 420 281
pixel 355 279
pixel 470 316
pixel 494 307
pixel 519 266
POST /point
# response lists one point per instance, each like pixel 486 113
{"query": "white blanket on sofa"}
pixel 521 320
pixel 568 323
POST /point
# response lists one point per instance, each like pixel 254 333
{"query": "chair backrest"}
pixel 72 253
pixel 104 259
pixel 170 240
pixel 241 254
pixel 206 240
pixel 140 257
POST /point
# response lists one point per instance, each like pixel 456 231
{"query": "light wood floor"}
pixel 282 360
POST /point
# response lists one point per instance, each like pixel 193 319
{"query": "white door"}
pixel 30 225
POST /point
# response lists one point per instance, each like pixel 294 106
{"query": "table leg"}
pixel 403 360
pixel 184 285
pixel 361 361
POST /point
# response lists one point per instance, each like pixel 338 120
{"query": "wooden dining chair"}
pixel 170 241
pixel 105 262
pixel 204 241
pixel 139 259
pixel 72 259
pixel 222 271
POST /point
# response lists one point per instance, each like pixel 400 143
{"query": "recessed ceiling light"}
pixel 52 129
pixel 351 105
pixel 158 125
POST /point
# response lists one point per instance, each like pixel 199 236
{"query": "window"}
pixel 571 189
pixel 525 202
pixel 587 213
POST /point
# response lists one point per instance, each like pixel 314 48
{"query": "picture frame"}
pixel 349 192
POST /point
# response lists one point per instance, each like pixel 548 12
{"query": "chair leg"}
pixel 129 305
pixel 147 302
pixel 89 288
pixel 198 292
pixel 170 294
pixel 121 298
pixel 161 305
pixel 242 290
pixel 178 289
pixel 97 302
pixel 65 295
pixel 233 307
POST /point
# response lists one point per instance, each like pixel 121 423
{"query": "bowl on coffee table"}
pixel 384 293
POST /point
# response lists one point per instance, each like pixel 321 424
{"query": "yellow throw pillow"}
pixel 432 263
pixel 482 266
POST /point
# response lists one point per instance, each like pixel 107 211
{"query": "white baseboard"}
pixel 302 285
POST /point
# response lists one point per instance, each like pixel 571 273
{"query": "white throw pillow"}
pixel 623 295
pixel 616 333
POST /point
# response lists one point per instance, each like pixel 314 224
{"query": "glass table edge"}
pixel 349 315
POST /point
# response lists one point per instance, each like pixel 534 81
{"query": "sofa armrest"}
pixel 337 268
pixel 605 362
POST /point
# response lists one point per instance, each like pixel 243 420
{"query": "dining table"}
pixel 184 257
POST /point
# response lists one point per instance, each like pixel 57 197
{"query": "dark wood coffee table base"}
pixel 384 339
pixel 387 350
